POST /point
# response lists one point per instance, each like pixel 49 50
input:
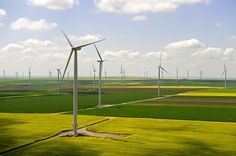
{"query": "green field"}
pixel 192 117
pixel 147 136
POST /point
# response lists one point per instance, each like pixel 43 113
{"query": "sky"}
pixel 190 35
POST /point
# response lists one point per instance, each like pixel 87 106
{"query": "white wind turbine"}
pixel 29 76
pixel 122 73
pixel 225 74
pixel 201 73
pixel 49 74
pixel 100 76
pixel 177 74
pixel 74 50
pixel 94 76
pixel 4 74
pixel 58 80
pixel 187 74
pixel 160 69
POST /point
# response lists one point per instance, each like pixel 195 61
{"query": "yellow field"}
pixel 208 94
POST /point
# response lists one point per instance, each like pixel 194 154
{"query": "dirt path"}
pixel 85 132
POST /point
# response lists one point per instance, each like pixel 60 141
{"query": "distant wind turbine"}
pixel 94 76
pixel 187 74
pixel 225 74
pixel 68 75
pixel 49 74
pixel 58 80
pixel 122 73
pixel 29 76
pixel 74 50
pixel 160 69
pixel 201 73
pixel 4 74
pixel 100 76
pixel 177 74
pixel 105 74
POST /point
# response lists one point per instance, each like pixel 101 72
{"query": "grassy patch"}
pixel 19 129
pixel 148 137
pixel 63 102
pixel 180 112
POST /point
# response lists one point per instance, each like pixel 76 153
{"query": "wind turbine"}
pixel 16 75
pixel 177 74
pixel 201 73
pixel 23 75
pixel 187 74
pixel 225 73
pixel 100 76
pixel 105 74
pixel 58 80
pixel 49 74
pixel 121 73
pixel 74 50
pixel 4 74
pixel 68 75
pixel 29 76
pixel 94 76
pixel 160 69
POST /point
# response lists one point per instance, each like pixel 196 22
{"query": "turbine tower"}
pixel 50 74
pixel 58 80
pixel 201 73
pixel 187 74
pixel 100 76
pixel 94 76
pixel 160 69
pixel 121 72
pixel 4 74
pixel 74 50
pixel 177 74
pixel 68 75
pixel 29 76
pixel 105 74
pixel 225 74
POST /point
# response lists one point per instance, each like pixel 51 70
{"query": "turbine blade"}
pixel 93 68
pixel 67 64
pixel 164 69
pixel 106 60
pixel 98 52
pixel 68 40
pixel 81 46
pixel 223 73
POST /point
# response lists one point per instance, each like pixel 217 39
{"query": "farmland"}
pixel 189 117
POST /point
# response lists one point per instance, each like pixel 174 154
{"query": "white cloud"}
pixel 28 24
pixel 126 55
pixel 139 18
pixel 218 24
pixel 191 44
pixel 141 6
pixel 85 38
pixel 209 53
pixel 54 4
pixel 1 25
pixel 233 39
pixel 229 54
pixel 2 13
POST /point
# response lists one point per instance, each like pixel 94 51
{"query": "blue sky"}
pixel 191 35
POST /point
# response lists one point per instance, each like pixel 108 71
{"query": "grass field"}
pixel 197 118
pixel 147 136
